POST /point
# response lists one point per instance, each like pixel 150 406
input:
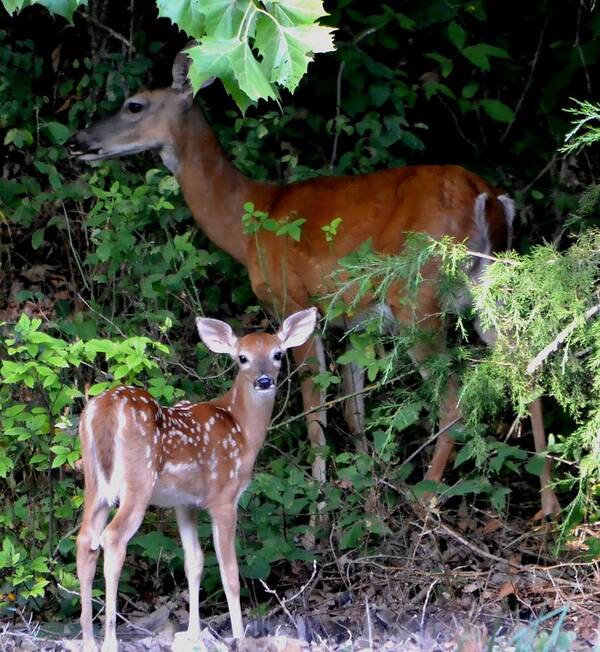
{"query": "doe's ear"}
pixel 217 335
pixel 297 328
pixel 180 72
pixel 181 66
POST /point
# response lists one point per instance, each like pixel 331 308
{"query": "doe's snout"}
pixel 80 143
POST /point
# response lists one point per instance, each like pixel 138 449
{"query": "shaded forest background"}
pixel 108 256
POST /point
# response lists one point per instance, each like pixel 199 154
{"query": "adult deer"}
pixel 188 457
pixel 287 275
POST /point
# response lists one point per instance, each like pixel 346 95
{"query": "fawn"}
pixel 137 453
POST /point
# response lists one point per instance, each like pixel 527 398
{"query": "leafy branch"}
pixel 253 46
pixel 584 133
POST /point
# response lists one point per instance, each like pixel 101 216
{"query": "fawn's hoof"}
pixel 185 642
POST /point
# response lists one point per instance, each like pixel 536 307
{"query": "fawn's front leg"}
pixel 194 564
pixel 224 522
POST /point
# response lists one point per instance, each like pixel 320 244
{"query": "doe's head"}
pixel 148 120
pixel 258 355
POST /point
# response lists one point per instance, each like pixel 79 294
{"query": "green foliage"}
pixel 585 129
pixel 441 83
pixel 64 8
pixel 253 221
pixel 559 639
pixel 41 378
pixel 527 300
pixel 285 34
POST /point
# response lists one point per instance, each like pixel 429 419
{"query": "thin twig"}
pixel 281 602
pixel 580 51
pixel 540 174
pixel 494 259
pixel 429 590
pixel 431 439
pixel 110 31
pixel 338 105
pixel 369 623
pixel 335 401
pixel 298 593
pixel 527 83
pixel 560 338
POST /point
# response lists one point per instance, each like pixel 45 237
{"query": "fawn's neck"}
pixel 252 410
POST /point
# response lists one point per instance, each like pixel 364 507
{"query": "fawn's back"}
pixel 192 453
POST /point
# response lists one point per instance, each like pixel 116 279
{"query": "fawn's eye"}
pixel 277 355
pixel 135 107
pixel 243 359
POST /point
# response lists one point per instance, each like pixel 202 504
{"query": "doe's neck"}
pixel 213 188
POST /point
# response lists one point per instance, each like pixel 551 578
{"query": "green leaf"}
pixel 479 54
pixel 379 93
pixel 470 89
pixel 477 57
pixel 298 12
pixel 446 64
pixel 223 17
pixel 37 238
pixel 498 498
pixel 186 14
pixel 457 35
pixel 154 544
pixel 211 59
pixel 64 8
pixel 287 51
pixel 381 438
pixel 14 6
pixel 249 74
pixel 258 568
pixel 57 132
pixel 535 466
pixel 407 415
pixel 6 464
pixel 464 454
pixel 497 110
pixel 351 537
pixel 468 487
pixel 18 137
pixel 13 410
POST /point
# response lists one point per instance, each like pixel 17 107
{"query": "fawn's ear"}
pixel 297 328
pixel 217 335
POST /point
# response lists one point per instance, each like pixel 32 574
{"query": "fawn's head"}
pixel 258 355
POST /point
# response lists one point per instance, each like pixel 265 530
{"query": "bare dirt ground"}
pixel 469 582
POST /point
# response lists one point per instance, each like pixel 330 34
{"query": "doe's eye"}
pixel 243 359
pixel 135 107
pixel 277 355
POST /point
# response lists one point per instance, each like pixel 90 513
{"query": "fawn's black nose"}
pixel 264 382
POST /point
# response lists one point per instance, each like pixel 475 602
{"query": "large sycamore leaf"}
pixel 249 74
pixel 186 14
pixel 210 59
pixel 232 60
pixel 287 50
pixel 14 6
pixel 239 97
pixel 224 17
pixel 296 12
pixel 64 8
